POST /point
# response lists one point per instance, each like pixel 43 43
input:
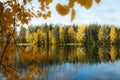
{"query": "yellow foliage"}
pixel 44 16
pixel 29 0
pixel 12 13
pixel 71 3
pixel 49 14
pixel 62 9
pixel 79 53
pixel 80 36
pixel 88 3
pixel 69 31
pixel 73 15
pixel 35 37
pixel 100 53
pixel 97 1
pixel 61 34
pixel 41 1
pixel 113 53
pixel 42 7
pixel 113 34
pixel 48 2
pixel 50 36
pixel 28 37
pixel 54 40
pixel 9 54
pixel 100 34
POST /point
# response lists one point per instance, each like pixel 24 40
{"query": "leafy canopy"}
pixel 22 11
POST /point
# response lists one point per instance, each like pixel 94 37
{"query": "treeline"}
pixel 65 34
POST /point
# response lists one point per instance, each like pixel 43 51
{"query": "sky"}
pixel 106 12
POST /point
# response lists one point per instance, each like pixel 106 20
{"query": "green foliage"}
pixel 63 34
pixel 21 36
pixel 55 35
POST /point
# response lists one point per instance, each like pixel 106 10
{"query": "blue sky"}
pixel 106 12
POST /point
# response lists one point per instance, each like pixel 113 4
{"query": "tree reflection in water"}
pixel 72 62
pixel 77 62
pixel 73 54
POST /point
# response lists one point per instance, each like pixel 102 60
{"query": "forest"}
pixel 92 34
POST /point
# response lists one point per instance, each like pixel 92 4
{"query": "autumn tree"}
pixel 65 30
pixel 35 38
pixel 75 28
pixel 61 31
pixel 28 36
pixel 103 34
pixel 55 35
pixel 39 37
pixel 81 33
pixel 71 35
pixel 50 34
pixel 16 12
pixel 113 34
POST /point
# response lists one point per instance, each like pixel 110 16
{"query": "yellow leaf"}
pixel 73 15
pixel 71 3
pixel 97 1
pixel 62 9
pixel 48 1
pixel 81 2
pixel 29 0
pixel 42 7
pixel 88 4
pixel 44 16
pixel 49 14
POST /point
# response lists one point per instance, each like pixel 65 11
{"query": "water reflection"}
pixel 70 71
pixel 75 54
pixel 77 62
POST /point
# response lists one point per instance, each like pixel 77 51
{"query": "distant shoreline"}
pixel 30 44
pixel 24 44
